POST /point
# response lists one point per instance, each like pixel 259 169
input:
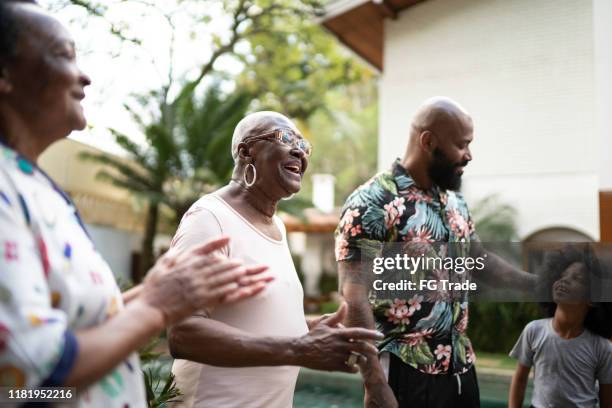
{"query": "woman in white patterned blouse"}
pixel 63 321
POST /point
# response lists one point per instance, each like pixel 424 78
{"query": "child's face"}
pixel 572 286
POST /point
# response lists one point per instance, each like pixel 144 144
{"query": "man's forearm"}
pixel 359 314
pixel 500 273
pixel 378 392
pixel 355 281
pixel 211 342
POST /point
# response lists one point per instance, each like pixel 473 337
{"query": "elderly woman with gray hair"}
pixel 247 355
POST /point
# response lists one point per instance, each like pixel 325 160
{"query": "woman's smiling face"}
pixel 45 84
pixel 280 167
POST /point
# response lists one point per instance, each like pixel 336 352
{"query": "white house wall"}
pixel 602 16
pixel 525 71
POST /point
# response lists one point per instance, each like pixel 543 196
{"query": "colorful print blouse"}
pixel 426 333
pixel 53 282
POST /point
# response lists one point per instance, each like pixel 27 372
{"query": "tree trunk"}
pixel 147 256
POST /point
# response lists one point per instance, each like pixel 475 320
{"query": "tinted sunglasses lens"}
pixel 291 139
pixel 305 146
pixel 286 137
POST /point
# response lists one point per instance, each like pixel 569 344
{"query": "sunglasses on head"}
pixel 287 137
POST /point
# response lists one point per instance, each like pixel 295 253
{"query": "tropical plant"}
pixel 159 381
pixel 205 128
pixel 258 33
pixel 175 168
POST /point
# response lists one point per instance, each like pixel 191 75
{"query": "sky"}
pixel 119 69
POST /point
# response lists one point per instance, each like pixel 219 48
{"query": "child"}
pixel 571 351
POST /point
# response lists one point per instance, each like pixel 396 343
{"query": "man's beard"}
pixel 444 173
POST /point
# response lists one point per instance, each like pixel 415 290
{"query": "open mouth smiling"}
pixel 294 168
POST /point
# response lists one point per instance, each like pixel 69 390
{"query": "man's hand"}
pixel 499 273
pixel 328 347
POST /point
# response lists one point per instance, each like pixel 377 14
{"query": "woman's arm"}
pixel 176 287
pixel 518 386
pixel 324 347
pixel 103 347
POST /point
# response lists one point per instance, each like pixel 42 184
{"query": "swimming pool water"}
pixel 316 389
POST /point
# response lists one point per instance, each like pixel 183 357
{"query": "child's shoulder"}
pixel 538 325
pixel 605 345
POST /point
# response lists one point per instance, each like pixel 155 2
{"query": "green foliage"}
pixel 495 327
pixel 180 163
pixel 297 261
pixel 204 137
pixel 328 283
pixel 295 206
pixel 344 135
pixel 290 63
pixel 292 68
pixel 329 307
pixel 160 384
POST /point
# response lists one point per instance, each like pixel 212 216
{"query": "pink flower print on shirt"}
pixel 414 339
pixel 414 304
pixel 463 322
pixel 393 211
pixel 356 230
pixel 443 352
pixel 399 312
pixel 443 198
pixel 458 223
pixel 341 248
pixel 346 223
pixel 431 369
pixel 414 194
pixel 418 242
pixel 422 235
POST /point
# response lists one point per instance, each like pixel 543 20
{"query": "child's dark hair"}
pixel 599 317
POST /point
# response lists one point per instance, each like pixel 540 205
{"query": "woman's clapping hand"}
pixel 181 283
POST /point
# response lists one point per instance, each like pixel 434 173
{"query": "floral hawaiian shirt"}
pixel 427 332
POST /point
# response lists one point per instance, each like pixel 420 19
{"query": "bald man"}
pixel 426 358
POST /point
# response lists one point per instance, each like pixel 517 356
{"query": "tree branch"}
pixel 99 11
pixel 207 68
